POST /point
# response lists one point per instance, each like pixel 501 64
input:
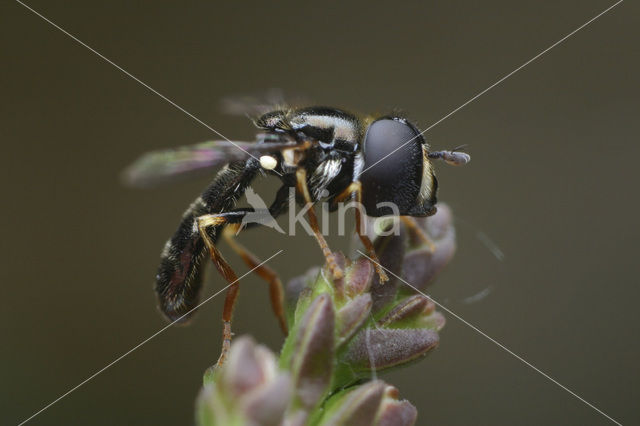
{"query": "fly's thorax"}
pixel 333 139
pixel 330 128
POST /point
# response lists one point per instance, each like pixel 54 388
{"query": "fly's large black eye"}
pixel 391 177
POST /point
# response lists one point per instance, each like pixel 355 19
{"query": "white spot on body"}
pixel 323 175
pixel 166 249
pixel 342 128
pixel 289 157
pixel 358 165
pixel 268 162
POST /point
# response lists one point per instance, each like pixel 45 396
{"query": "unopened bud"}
pixel 356 407
pixel 407 309
pixel 247 389
pixel 394 412
pixel 378 349
pixel 313 352
pixel 373 403
pixel 352 316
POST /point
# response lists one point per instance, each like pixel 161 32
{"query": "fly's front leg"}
pixel 355 188
pixel 218 221
pixel 303 189
pixel 411 223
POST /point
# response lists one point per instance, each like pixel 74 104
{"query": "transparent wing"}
pixel 169 165
pixel 254 105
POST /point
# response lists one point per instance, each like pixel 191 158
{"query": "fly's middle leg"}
pixel 276 289
pixel 303 189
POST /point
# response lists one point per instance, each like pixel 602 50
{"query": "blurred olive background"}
pixel 553 184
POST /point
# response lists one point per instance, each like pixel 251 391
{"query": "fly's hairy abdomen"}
pixel 181 271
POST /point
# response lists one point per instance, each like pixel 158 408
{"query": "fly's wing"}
pixel 169 165
pixel 255 105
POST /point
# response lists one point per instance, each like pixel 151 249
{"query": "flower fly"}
pixel 326 154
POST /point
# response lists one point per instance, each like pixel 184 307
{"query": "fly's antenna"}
pixel 455 157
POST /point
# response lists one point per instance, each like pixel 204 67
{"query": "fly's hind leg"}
pixel 355 188
pixel 218 221
pixel 303 189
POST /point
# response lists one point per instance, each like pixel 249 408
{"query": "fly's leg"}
pixel 411 223
pixel 218 221
pixel 303 189
pixel 276 290
pixel 355 188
